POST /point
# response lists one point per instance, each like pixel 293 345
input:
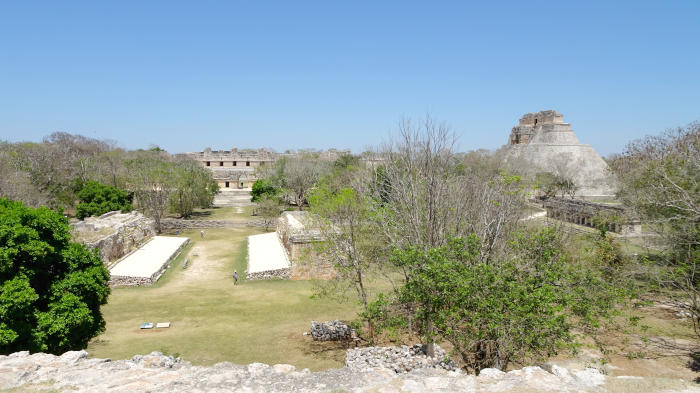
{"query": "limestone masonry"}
pixel 542 142
pixel 115 234
pixel 298 235
pixel 331 331
pixel 75 372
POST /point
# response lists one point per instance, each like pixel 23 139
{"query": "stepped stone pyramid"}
pixel 542 142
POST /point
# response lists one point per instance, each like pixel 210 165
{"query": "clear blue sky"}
pixel 187 75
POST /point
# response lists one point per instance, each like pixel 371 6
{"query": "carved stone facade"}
pixel 586 213
pixel 234 168
pixel 542 142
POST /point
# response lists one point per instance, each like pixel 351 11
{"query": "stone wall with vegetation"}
pixel 299 237
pixel 114 234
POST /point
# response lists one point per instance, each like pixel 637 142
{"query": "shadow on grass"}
pixel 328 350
pixel 694 364
pixel 201 214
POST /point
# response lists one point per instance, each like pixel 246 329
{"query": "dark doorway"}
pixel 226 184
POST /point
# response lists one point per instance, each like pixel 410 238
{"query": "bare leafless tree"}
pixel 299 174
pixel 660 180
pixel 428 196
pixel 151 176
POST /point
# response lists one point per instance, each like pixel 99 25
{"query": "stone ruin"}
pixel 114 234
pixel 542 142
pixel 401 359
pixel 76 372
pixel 586 213
pixel 298 235
pixel 331 331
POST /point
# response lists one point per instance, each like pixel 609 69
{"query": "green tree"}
pixel 517 308
pixel 193 186
pixel 352 239
pixel 97 199
pixel 262 187
pixel 51 289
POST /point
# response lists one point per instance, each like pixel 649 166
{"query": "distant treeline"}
pixel 54 171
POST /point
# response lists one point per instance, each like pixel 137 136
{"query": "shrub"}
pixel 97 199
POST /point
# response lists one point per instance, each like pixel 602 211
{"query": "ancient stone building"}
pixel 298 235
pixel 614 218
pixel 114 234
pixel 234 169
pixel 526 127
pixel 542 142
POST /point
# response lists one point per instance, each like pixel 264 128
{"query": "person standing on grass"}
pixel 235 277
pixel 202 233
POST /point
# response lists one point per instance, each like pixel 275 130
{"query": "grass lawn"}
pixel 213 320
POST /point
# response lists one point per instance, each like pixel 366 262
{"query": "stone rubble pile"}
pixel 277 274
pixel 398 359
pixel 76 372
pixel 331 331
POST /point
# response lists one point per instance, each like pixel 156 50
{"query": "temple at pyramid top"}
pixel 546 127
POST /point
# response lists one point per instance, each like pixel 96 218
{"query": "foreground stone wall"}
pixel 114 234
pixel 75 372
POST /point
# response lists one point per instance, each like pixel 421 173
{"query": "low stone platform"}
pixel 266 257
pixel 114 234
pixel 145 265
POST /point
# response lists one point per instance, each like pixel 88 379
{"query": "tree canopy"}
pixel 51 289
pixel 660 180
pixel 97 199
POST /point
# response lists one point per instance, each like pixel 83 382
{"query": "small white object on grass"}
pixel 146 325
pixel 163 325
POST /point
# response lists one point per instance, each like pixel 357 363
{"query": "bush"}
pixel 97 199
pixel 263 187
pixel 522 307
pixel 51 289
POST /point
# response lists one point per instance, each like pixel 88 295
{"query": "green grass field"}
pixel 213 320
